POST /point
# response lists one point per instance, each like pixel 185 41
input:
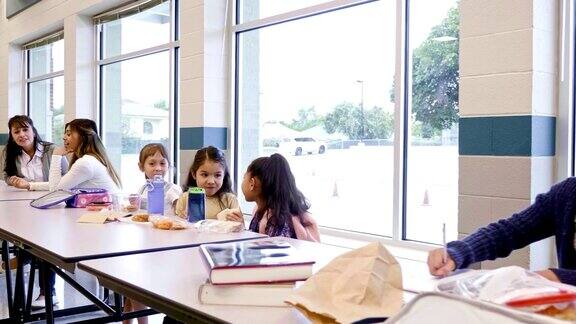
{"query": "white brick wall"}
pixel 507 67
pixel 494 16
pixel 508 94
pixel 504 177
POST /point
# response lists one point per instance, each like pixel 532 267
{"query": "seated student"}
pixel 281 209
pixel 153 160
pixel 552 214
pixel 25 160
pixel 90 166
pixel 209 171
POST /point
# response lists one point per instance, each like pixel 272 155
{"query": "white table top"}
pixel 169 281
pixel 55 234
pixel 10 193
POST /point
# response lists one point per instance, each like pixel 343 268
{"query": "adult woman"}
pixel 90 166
pixel 25 161
pixel 25 164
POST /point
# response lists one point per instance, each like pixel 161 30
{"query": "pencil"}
pixel 445 254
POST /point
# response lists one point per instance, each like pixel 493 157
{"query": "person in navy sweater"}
pixel 552 214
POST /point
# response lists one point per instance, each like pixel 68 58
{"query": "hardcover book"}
pixel 246 294
pixel 261 261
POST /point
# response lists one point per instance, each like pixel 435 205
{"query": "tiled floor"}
pixel 67 297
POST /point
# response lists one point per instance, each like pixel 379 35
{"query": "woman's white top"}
pixel 86 172
pixel 33 169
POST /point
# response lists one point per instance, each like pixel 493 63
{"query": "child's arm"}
pixel 181 208
pixel 233 202
pixel 306 230
pixel 172 195
pixel 232 211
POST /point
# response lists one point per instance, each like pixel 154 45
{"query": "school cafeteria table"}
pixel 53 236
pixel 11 193
pixel 171 281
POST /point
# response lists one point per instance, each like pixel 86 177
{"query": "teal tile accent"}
pixel 475 136
pixel 195 138
pixel 511 136
pixel 3 139
pixel 508 136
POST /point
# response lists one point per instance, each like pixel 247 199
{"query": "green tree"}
pixel 348 119
pixel 58 124
pixel 435 75
pixel 161 104
pixel 307 118
pixel 379 123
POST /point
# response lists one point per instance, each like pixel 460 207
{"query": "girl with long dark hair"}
pixel 209 171
pixel 281 209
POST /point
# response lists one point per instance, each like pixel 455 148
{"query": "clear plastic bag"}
pixel 168 223
pixel 218 226
pixel 514 287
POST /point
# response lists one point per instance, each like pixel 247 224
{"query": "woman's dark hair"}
pixel 14 150
pixel 210 153
pixel 282 198
pixel 86 123
pixel 91 144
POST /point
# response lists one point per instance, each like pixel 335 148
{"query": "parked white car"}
pixel 301 145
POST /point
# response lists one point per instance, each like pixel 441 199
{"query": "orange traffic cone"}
pixel 426 200
pixel 335 191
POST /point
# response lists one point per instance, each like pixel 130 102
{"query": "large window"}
pixel 137 57
pixel 432 157
pixel 45 85
pixel 373 152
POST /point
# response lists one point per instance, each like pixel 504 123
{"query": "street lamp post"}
pixel 363 119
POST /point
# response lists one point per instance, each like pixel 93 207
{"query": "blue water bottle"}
pixel 196 204
pixel 156 195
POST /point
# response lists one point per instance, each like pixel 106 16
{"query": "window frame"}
pixel 173 47
pixel 42 77
pixel 566 119
pixel 401 114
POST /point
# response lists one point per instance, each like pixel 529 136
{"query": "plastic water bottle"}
pixel 156 195
pixel 196 204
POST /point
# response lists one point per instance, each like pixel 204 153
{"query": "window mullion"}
pixel 399 117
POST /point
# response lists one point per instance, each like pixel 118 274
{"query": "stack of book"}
pixel 256 273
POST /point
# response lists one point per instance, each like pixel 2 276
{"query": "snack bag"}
pixel 168 223
pixel 218 226
pixel 514 287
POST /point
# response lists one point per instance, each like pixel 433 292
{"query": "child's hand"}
pixel 436 263
pixel 234 215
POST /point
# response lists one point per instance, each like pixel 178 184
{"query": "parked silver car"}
pixel 301 145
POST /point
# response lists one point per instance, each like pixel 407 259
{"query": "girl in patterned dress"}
pixel 281 209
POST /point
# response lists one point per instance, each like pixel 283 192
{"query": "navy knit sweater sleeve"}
pixel 536 222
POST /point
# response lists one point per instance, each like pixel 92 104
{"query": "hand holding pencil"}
pixel 440 263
